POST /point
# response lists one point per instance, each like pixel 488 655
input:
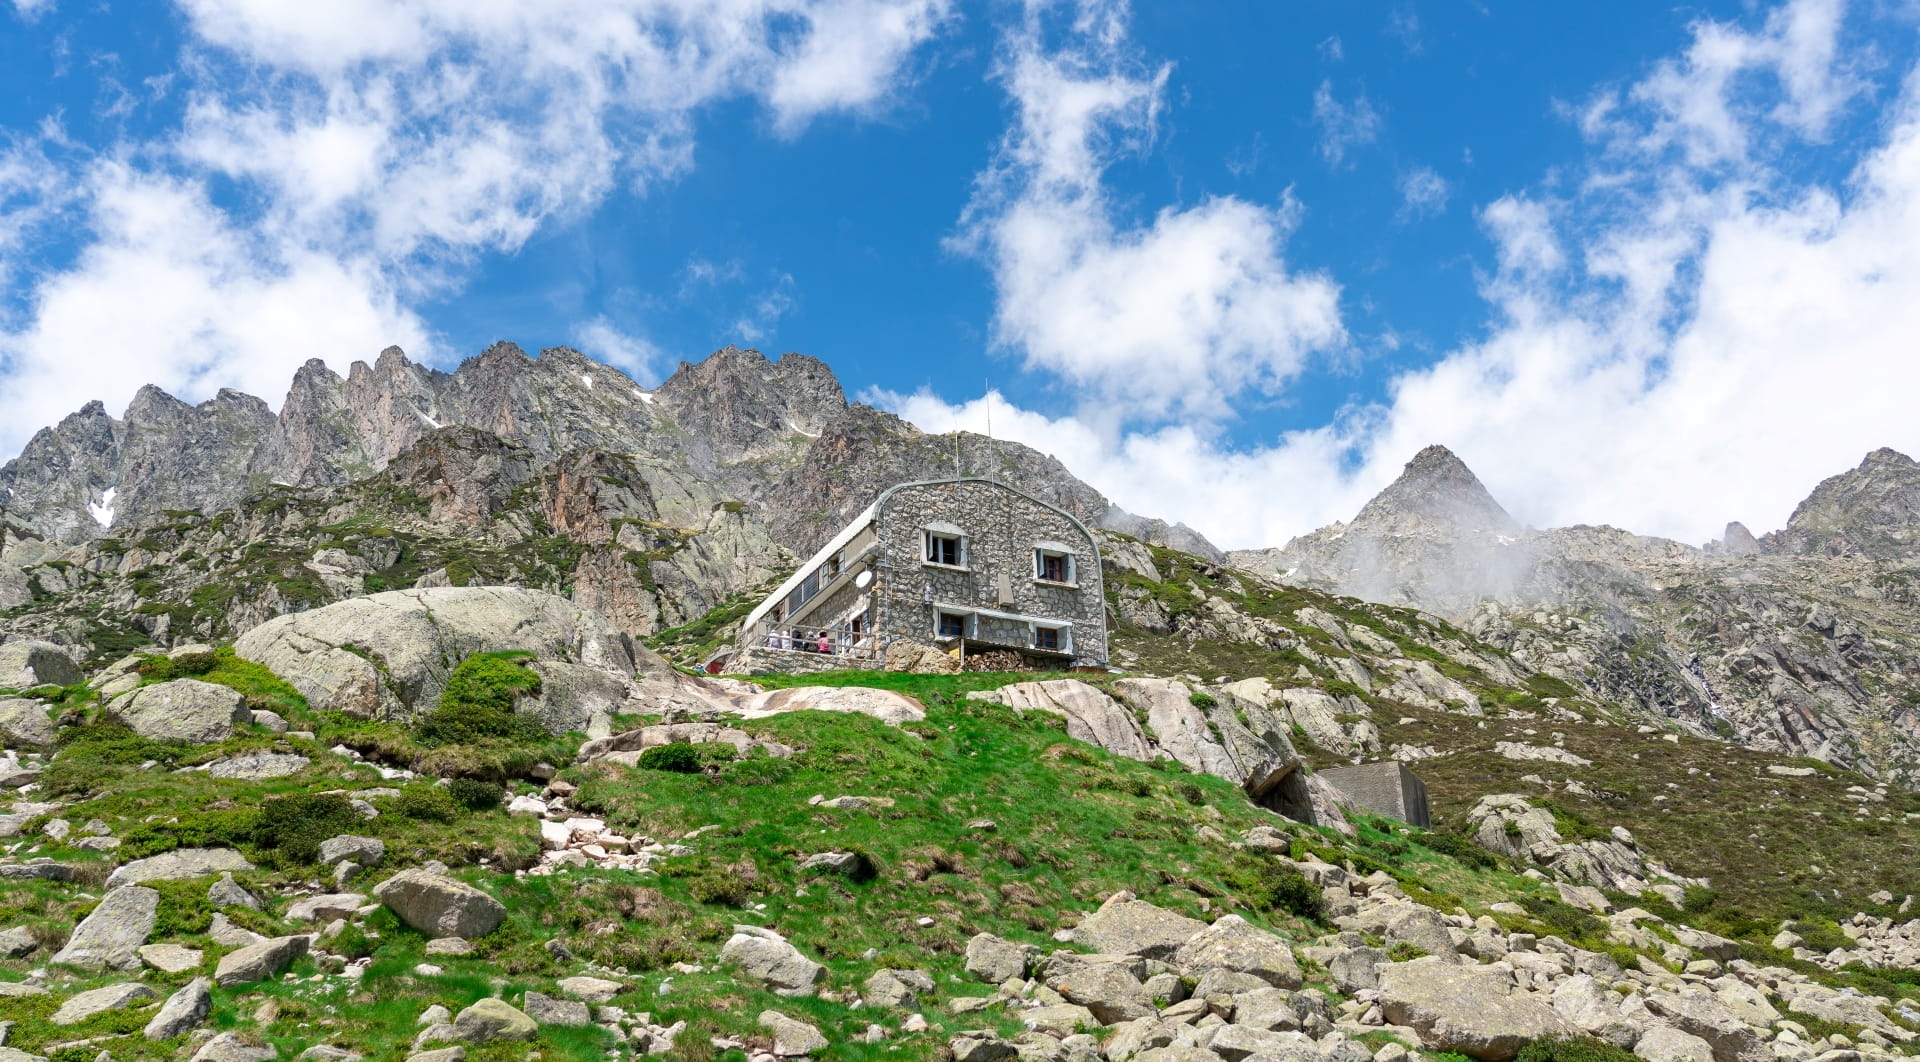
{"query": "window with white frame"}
pixel 1053 563
pixel 945 545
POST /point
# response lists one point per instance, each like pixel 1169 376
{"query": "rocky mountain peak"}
pixel 1436 494
pixel 1871 510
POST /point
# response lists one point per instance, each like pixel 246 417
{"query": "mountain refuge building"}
pixel 965 565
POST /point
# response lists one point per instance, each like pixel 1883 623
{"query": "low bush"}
pixel 680 757
pixel 292 827
pixel 1458 847
pixel 1573 1049
pixel 477 705
pixel 426 803
pixel 1266 885
pixel 475 795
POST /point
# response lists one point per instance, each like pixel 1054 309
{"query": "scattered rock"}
pixel 1467 1009
pixel 259 766
pixel 546 1010
pixel 493 1019
pixel 179 865
pixel 25 722
pixel 897 988
pixel 79 1008
pixel 439 906
pixel 765 956
pixel 366 851
pixel 229 1047
pixel 257 962
pixel 184 1010
pixel 170 958
pixel 994 960
pixel 1232 943
pixel 792 1038
pixel 1128 926
pixel 26 664
pixel 228 893
pixel 109 935
pixel 17 942
pixel 326 907
pixel 591 989
pixel 189 710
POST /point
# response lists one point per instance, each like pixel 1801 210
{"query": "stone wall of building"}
pixel 1002 528
pixel 1385 788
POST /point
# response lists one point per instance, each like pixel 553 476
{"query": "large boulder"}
pixel 1701 1015
pixel 494 1019
pixel 182 710
pixel 1233 943
pixel 111 935
pixel 1092 716
pixel 25 722
pixel 27 664
pixel 1126 926
pixel 389 655
pixel 181 864
pixel 439 906
pixel 185 1009
pixel 85 1005
pixel 765 956
pixel 1468 1009
pixel 257 962
pixel 884 705
pixel 1216 732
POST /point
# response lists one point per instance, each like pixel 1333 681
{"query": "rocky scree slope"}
pixel 1806 640
pixel 1015 869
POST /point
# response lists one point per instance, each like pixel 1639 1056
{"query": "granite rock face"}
pixel 389 655
pixel 26 664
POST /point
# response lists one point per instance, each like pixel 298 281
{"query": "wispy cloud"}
pixel 1343 126
pixel 1423 193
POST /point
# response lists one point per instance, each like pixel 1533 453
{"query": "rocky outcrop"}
pixel 389 655
pixel 180 864
pixel 26 664
pixel 1465 1009
pixel 182 710
pixel 1091 716
pixel 1507 823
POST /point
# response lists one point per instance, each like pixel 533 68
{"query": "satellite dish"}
pixel 863 580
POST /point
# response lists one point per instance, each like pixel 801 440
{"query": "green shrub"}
pixel 186 665
pixel 69 778
pixel 426 803
pixel 352 942
pixel 679 757
pixel 292 827
pixel 1266 885
pixel 111 742
pixel 229 828
pixel 1202 699
pixel 478 703
pixel 1564 919
pixel 1461 849
pixel 475 795
pixel 1573 1049
pixel 719 887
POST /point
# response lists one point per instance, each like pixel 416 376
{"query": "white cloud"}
pixel 766 309
pixel 1423 192
pixel 1343 126
pixel 1331 50
pixel 1685 337
pixel 369 152
pixel 1169 318
pixel 632 354
pixel 32 9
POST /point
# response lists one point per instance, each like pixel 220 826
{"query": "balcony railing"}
pixel 838 640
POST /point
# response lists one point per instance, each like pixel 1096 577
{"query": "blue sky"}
pixel 1234 263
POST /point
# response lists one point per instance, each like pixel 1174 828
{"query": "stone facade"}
pixel 1385 788
pixel 961 564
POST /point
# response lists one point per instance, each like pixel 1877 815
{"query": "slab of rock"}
pixel 439 906
pixel 896 988
pixel 418 636
pixel 109 936
pixel 366 851
pixel 1124 925
pixel 38 870
pixel 170 958
pixel 25 722
pixel 17 942
pixel 1110 989
pixel 186 1009
pixel 1092 716
pixel 996 961
pixel 1423 928
pixel 765 956
pixel 1701 1015
pixel 885 705
pixel 591 989
pixel 179 865
pixel 792 1038
pixel 259 766
pixel 26 664
pixel 493 1019
pixel 1467 1009
pixel 224 933
pixel 228 1047
pixel 326 907
pixel 546 1010
pixel 443 1054
pixel 229 893
pixel 1232 943
pixel 257 962
pixel 79 1008
pixel 1663 1043
pixel 189 710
